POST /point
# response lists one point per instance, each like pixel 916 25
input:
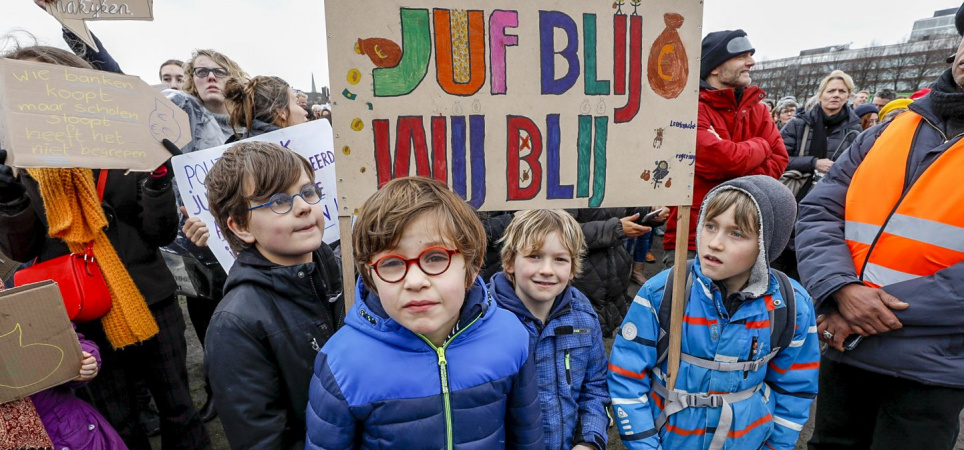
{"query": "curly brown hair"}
pixel 385 215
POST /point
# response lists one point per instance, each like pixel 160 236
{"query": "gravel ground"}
pixel 195 356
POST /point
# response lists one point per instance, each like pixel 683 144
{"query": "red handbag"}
pixel 78 276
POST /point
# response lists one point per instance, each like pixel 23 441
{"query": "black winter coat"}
pixel 140 220
pixel 607 265
pixel 839 138
pixel 494 223
pixel 262 343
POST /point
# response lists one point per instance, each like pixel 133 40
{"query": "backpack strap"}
pixel 666 308
pixel 783 321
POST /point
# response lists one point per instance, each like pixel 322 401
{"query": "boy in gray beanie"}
pixel 750 354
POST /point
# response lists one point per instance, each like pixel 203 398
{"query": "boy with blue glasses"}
pixel 282 300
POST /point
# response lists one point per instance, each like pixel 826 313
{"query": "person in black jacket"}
pixel 607 265
pixel 817 137
pixel 141 217
pixel 282 300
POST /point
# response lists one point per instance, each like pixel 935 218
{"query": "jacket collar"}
pixel 726 98
pixel 293 282
pixel 504 293
pixel 369 316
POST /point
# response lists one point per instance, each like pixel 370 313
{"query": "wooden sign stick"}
pixel 679 296
pixel 347 261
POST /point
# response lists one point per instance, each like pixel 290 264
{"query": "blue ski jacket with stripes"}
pixel 571 362
pixel 779 393
pixel 378 385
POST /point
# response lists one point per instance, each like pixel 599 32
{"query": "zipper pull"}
pixel 441 356
pixel 314 345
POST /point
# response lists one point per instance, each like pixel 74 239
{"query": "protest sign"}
pixel 39 347
pixel 311 140
pixel 73 13
pixel 58 116
pixel 553 103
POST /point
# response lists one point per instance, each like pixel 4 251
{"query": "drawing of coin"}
pixel 357 124
pixel 346 150
pixel 354 76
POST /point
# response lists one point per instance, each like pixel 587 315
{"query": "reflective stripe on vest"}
pixel 895 236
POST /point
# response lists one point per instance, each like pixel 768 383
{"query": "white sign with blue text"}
pixel 313 140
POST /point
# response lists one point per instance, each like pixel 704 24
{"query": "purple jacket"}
pixel 71 423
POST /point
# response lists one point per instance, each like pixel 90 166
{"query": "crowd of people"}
pixel 813 266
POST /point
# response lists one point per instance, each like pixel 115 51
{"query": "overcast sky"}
pixel 286 37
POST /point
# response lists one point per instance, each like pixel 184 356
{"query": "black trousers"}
pixel 857 409
pixel 162 362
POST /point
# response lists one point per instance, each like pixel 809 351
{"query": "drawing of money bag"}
pixel 668 66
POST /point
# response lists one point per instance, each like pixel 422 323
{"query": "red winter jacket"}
pixel 749 144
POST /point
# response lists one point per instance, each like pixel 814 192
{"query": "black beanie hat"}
pixel 721 46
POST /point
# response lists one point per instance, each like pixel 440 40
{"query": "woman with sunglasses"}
pixel 203 97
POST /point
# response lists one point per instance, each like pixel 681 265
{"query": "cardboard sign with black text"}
pixel 38 344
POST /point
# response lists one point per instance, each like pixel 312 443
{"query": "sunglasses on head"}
pixel 203 72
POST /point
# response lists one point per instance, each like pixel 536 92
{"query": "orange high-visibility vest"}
pixel 896 236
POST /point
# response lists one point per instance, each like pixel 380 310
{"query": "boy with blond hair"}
pixel 426 359
pixel 282 299
pixel 748 370
pixel 542 253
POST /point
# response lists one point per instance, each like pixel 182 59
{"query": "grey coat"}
pixel 930 347
pixel 838 140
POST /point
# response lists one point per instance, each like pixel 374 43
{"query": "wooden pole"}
pixel 679 296
pixel 347 261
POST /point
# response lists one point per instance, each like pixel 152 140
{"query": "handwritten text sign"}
pixel 518 105
pixel 37 341
pixel 311 140
pixel 57 116
pixel 73 13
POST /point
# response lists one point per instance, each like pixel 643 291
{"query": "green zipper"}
pixel 568 373
pixel 444 376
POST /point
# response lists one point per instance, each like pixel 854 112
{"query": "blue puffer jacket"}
pixel 571 363
pixel 773 415
pixel 378 385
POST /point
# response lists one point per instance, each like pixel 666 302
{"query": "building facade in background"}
pixel 904 67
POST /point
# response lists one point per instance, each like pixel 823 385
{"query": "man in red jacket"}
pixel 735 135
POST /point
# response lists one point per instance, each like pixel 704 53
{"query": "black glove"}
pixel 161 177
pixel 10 188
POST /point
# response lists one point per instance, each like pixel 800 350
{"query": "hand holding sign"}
pixel 64 117
pixel 72 13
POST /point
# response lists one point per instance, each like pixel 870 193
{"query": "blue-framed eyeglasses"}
pixel 281 202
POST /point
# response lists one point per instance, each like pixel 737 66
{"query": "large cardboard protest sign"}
pixel 58 116
pixel 72 14
pixel 39 347
pixel 516 105
pixel 311 140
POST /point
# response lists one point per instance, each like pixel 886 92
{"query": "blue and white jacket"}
pixel 770 419
pixel 571 363
pixel 378 385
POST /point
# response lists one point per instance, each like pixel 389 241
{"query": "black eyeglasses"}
pixel 203 72
pixel 281 202
pixel 432 261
